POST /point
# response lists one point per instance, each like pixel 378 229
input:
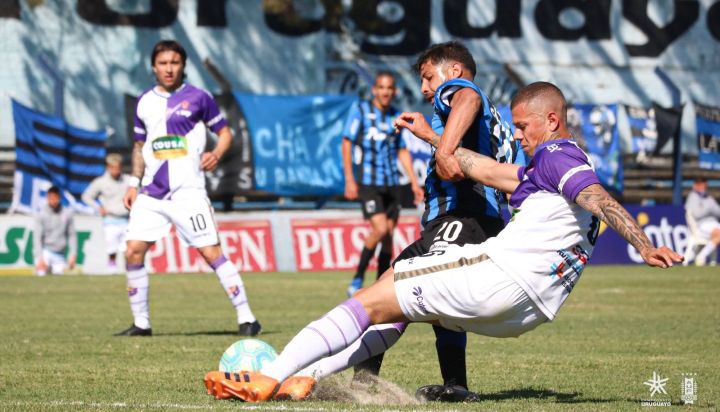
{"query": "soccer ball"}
pixel 247 355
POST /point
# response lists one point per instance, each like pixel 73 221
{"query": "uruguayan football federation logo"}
pixel 688 388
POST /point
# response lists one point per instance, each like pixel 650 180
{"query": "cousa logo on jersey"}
pixel 169 147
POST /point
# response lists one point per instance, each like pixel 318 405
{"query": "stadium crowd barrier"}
pixel 302 241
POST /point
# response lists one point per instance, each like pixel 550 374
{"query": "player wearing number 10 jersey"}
pixel 167 186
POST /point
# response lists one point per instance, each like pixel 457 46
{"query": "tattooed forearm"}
pixel 467 160
pixel 138 163
pixel 598 202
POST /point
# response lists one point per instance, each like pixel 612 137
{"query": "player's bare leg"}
pixel 379 229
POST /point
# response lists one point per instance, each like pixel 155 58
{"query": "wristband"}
pixel 133 181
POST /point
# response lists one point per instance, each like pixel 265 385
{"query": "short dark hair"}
pixel 54 189
pixel 452 50
pixel 384 73
pixel 539 90
pixel 168 45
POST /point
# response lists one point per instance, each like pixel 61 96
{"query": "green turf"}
pixel 57 351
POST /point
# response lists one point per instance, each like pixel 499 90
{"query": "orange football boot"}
pixel 212 383
pixel 295 388
pixel 252 387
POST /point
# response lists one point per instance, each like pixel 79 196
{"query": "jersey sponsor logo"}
pixel 370 206
pixel 417 292
pixel 169 147
pixel 571 267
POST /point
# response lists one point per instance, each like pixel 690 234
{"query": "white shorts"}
pixel 192 215
pixel 706 227
pixel 115 229
pixel 464 290
pixel 55 261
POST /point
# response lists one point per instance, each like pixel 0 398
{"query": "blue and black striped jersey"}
pixel 489 135
pixel 375 144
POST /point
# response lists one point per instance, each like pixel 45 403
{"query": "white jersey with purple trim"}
pixel 172 125
pixel 549 239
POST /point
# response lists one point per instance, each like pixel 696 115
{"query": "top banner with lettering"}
pixel 296 142
pixel 293 47
pixel 595 128
pixel 708 134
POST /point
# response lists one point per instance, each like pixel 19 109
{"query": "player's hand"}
pixel 209 161
pixel 662 257
pixel 416 123
pixel 71 261
pixel 103 212
pixel 41 265
pixel 351 190
pixel 418 194
pixel 448 167
pixel 129 198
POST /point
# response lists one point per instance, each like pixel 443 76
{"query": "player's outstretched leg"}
pixel 324 337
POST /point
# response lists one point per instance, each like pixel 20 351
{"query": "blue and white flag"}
pixel 708 133
pixel 49 151
pixel 643 129
pixel 595 129
pixel 296 142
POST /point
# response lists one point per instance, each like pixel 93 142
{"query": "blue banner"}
pixel 595 129
pixel 643 129
pixel 708 133
pixel 296 142
pixel 49 152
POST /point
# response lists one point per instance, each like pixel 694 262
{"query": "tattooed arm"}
pixel 138 169
pixel 597 201
pixel 483 169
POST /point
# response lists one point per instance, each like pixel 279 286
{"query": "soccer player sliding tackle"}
pixel 528 270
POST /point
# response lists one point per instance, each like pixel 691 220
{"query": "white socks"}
pixel 233 285
pixel 324 337
pixel 138 283
pixel 376 340
pixel 705 252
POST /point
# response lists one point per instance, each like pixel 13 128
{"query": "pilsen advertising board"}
pixel 304 241
pixel 335 244
pixel 247 243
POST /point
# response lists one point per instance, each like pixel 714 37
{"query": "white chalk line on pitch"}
pixel 125 405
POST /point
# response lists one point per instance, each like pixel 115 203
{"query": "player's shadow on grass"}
pixel 215 333
pixel 531 393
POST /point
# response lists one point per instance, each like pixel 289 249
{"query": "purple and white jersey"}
pixel 172 125
pixel 549 239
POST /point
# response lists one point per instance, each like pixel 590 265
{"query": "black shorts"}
pixel 380 199
pixel 453 230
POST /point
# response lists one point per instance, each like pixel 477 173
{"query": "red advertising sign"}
pixel 247 243
pixel 335 244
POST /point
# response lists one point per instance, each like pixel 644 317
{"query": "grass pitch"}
pixel 621 324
